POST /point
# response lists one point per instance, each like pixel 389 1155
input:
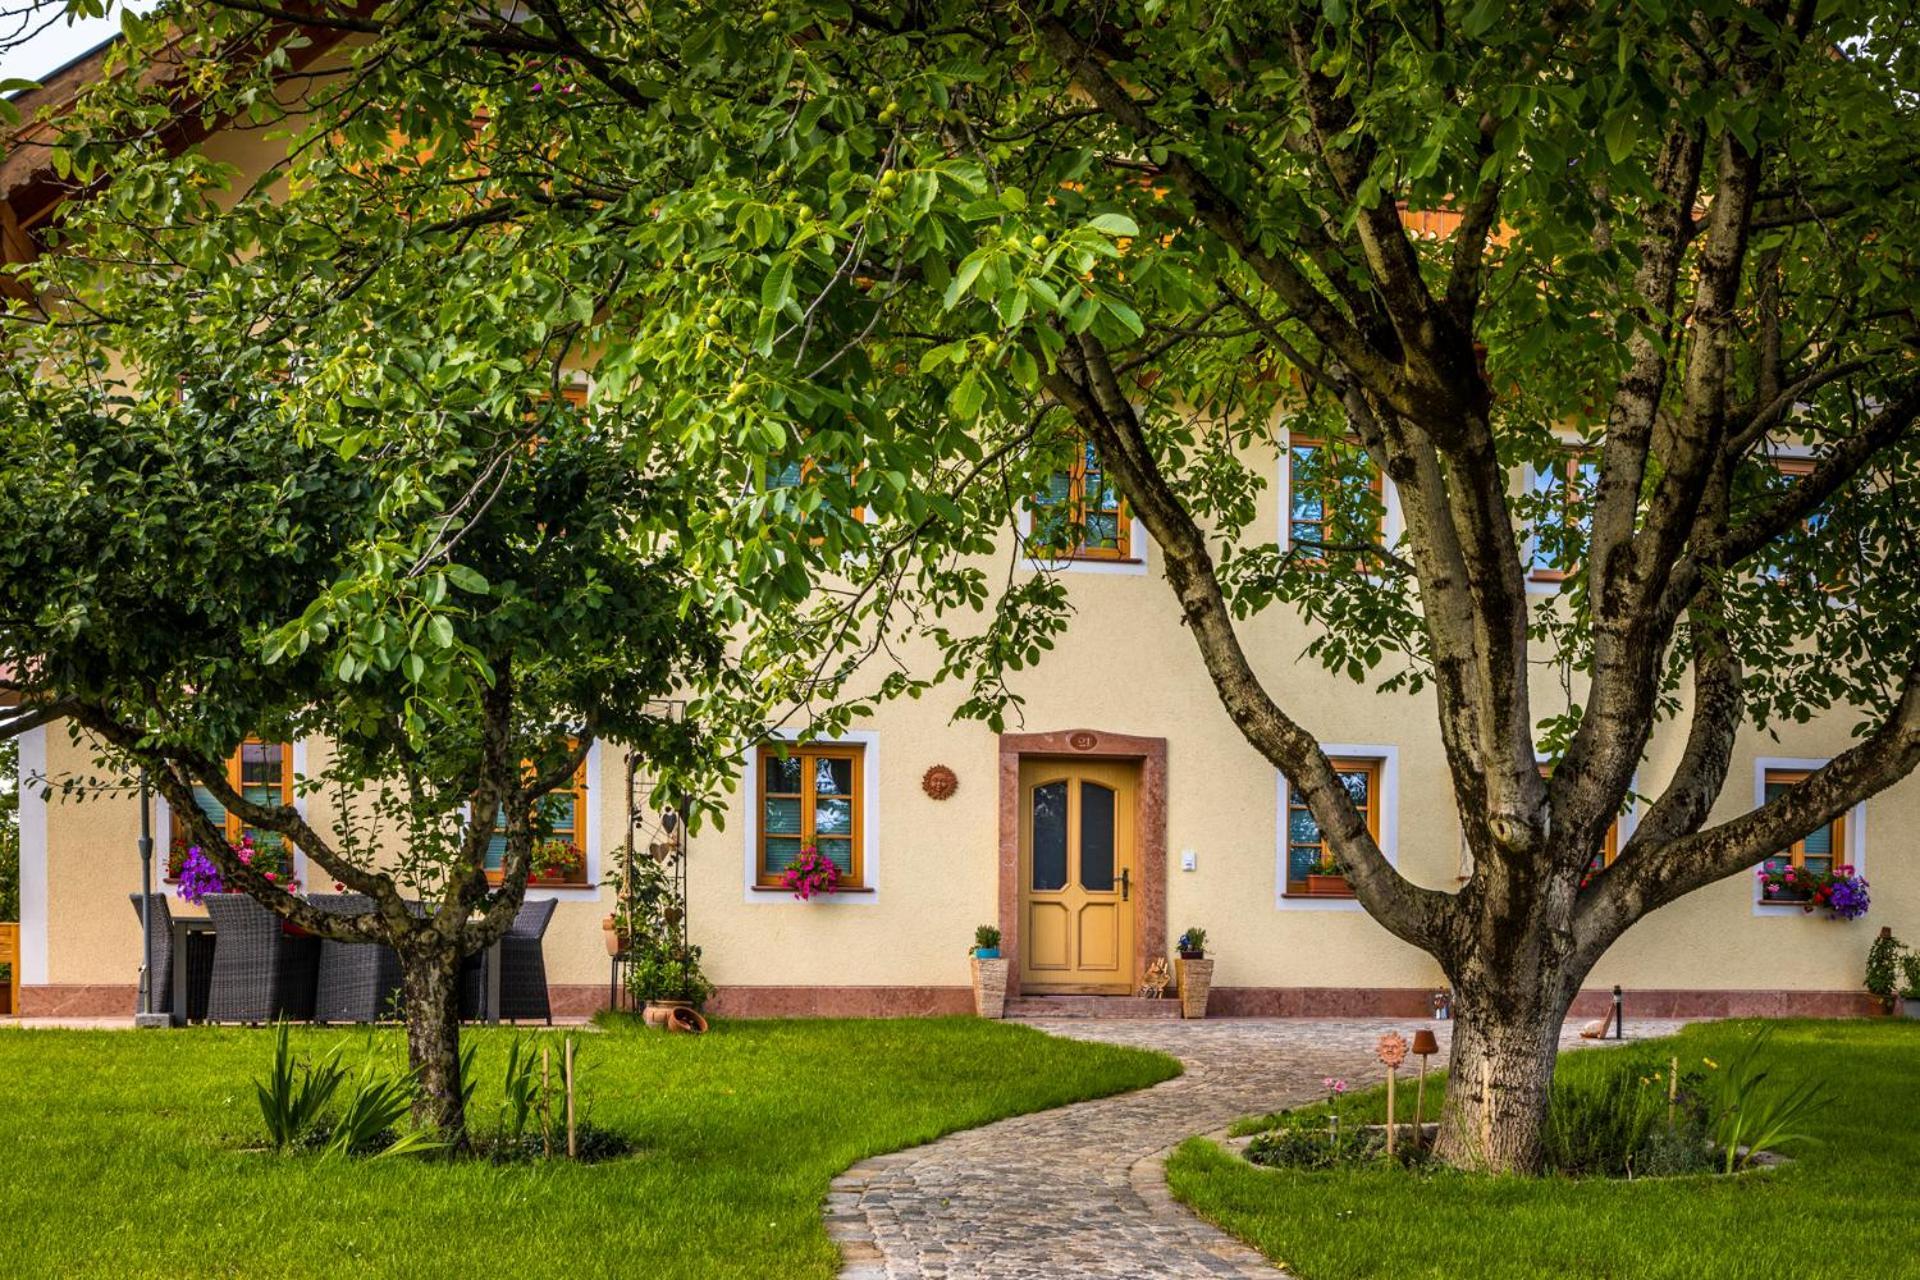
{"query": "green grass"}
pixel 124 1154
pixel 1844 1208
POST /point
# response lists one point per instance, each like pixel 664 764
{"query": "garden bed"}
pixel 1374 1220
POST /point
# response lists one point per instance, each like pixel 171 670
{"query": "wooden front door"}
pixel 1078 875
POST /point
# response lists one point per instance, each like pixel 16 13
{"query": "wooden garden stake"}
pixel 573 1142
pixel 1673 1089
pixel 1486 1108
pixel 546 1102
pixel 1424 1043
pixel 1390 1075
pixel 1392 1052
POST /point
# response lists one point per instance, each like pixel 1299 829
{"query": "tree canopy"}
pixel 858 279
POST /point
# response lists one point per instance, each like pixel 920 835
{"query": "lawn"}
pixel 1845 1208
pixel 125 1154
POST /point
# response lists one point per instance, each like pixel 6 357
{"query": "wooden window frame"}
pixel 1375 769
pixel 235 828
pixel 856 752
pixel 1376 484
pixel 1796 852
pixel 1568 468
pixel 1609 845
pixel 808 466
pixel 578 793
pixel 1076 507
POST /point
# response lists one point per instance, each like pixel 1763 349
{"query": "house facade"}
pixel 1124 808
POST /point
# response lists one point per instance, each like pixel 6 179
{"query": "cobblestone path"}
pixel 1079 1191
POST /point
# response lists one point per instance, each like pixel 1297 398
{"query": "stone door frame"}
pixel 1150 831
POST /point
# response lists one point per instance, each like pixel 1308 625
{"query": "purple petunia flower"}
pixel 198 876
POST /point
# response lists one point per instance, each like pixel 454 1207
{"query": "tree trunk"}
pixel 431 988
pixel 1500 1079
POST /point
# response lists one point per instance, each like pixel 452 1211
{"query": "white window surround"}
pixel 1139 549
pixel 589 842
pixel 869 823
pixel 1853 837
pixel 33 857
pixel 1392 524
pixel 1389 758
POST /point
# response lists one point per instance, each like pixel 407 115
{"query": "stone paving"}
pixel 1079 1191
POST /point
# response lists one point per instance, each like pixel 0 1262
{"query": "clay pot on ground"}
pixel 686 1020
pixel 1195 982
pixel 658 1011
pixel 989 987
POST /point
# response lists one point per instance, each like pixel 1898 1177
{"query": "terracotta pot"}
pixel 1195 982
pixel 1332 886
pixel 686 1020
pixel 613 940
pixel 658 1011
pixel 989 987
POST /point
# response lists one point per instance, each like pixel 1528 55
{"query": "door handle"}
pixel 1126 883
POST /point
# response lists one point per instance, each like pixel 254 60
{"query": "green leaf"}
pixel 778 286
pixel 1115 224
pixel 468 580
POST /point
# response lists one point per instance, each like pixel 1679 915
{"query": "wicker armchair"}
pixel 260 971
pixel 358 981
pixel 523 970
pixel 160 961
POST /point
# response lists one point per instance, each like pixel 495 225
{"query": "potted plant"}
pixel 989 973
pixel 666 975
pixel 1910 984
pixel 1884 963
pixel 557 862
pixel 1329 878
pixel 1194 973
pixel 1841 893
pixel 810 874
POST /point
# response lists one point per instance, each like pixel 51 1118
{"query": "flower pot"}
pixel 658 1011
pixel 686 1020
pixel 1332 886
pixel 615 943
pixel 990 987
pixel 986 953
pixel 1909 1004
pixel 1196 981
pixel 1193 955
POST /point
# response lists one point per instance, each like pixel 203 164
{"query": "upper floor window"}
pixel 1319 514
pixel 262 772
pixel 810 474
pixel 811 795
pixel 559 839
pixel 1565 521
pixel 1080 515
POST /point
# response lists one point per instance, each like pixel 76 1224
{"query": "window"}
pixel 559 838
pixel 1316 515
pixel 1609 846
pixel 1564 492
pixel 1308 854
pixel 797 475
pixel 1780 560
pixel 262 772
pixel 811 795
pixel 1818 854
pixel 1080 515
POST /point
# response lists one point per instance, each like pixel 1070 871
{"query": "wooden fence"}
pixel 10 957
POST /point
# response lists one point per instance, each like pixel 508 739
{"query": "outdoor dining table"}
pixel 184 926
